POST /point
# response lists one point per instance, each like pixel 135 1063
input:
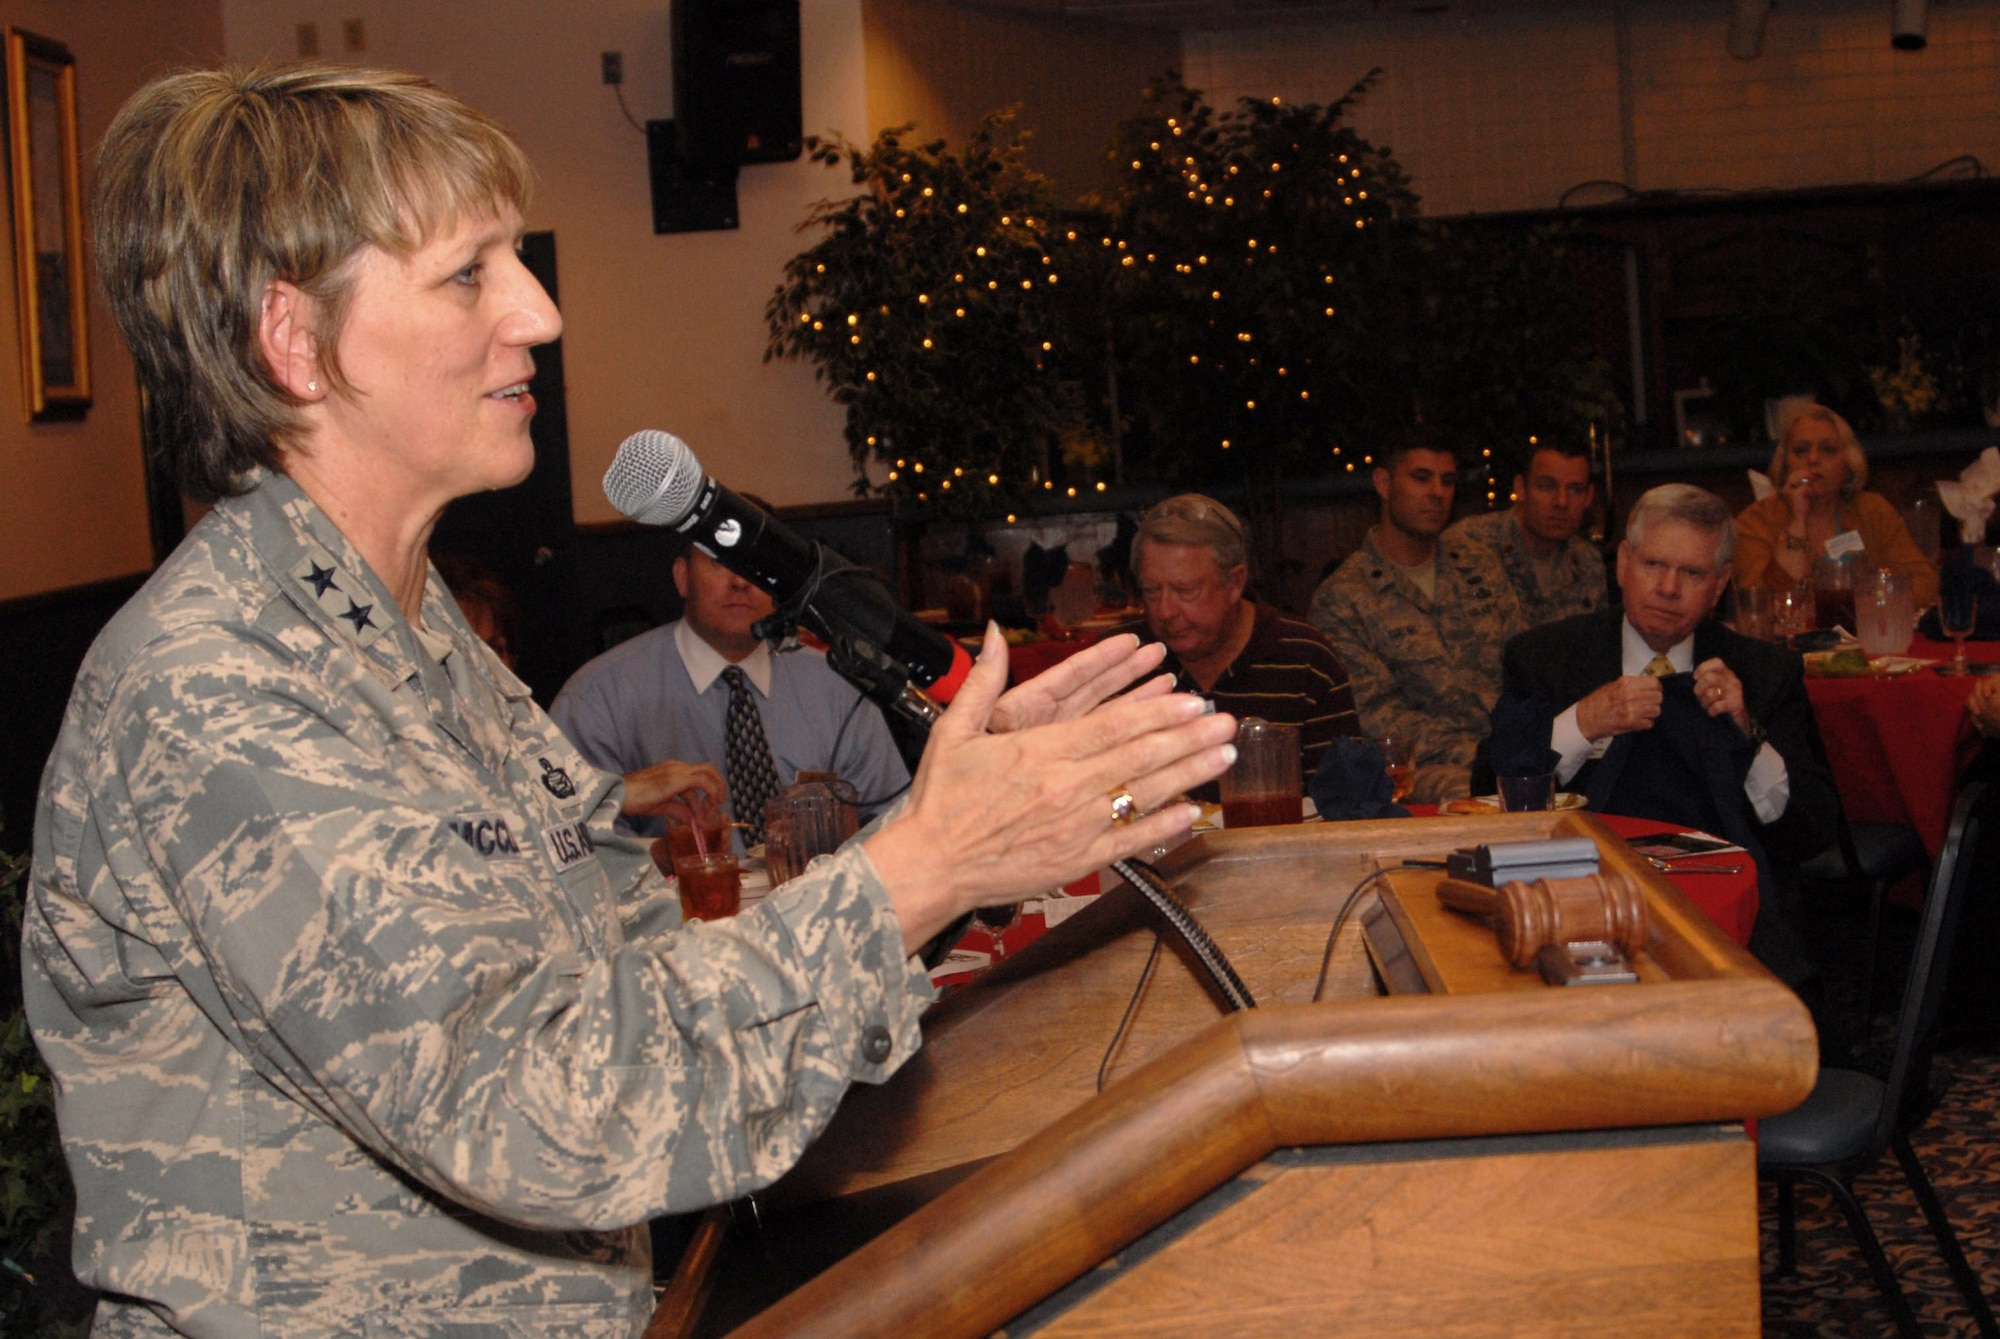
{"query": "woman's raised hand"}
pixel 995 817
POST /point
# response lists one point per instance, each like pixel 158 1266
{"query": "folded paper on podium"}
pixel 1406 1136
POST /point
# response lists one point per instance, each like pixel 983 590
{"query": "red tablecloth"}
pixel 1897 745
pixel 1730 900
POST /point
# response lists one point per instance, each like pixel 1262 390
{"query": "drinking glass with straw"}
pixel 702 860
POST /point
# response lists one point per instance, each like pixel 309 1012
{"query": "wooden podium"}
pixel 1463 1151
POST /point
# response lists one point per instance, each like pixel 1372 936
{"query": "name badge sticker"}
pixel 1844 543
pixel 570 845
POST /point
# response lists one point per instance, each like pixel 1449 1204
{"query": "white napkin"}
pixel 1971 498
pixel 1761 486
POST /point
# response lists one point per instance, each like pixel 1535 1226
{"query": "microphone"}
pixel 876 646
pixel 874 643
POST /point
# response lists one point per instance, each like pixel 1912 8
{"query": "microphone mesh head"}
pixel 654 478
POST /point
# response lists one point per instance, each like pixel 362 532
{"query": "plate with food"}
pixel 1851 664
pixel 1468 805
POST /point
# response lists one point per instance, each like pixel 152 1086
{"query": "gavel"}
pixel 1526 916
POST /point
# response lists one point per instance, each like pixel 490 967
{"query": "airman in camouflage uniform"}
pixel 1538 542
pixel 1571 582
pixel 1424 665
pixel 364 1017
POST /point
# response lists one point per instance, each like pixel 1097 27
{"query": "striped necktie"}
pixel 752 778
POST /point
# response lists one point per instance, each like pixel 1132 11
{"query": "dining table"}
pixel 1897 744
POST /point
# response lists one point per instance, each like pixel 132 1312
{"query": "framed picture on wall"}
pixel 48 227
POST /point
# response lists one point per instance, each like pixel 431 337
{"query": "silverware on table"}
pixel 1672 868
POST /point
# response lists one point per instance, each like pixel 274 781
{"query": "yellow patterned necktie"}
pixel 1659 667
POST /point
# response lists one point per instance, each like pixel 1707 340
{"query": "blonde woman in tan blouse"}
pixel 1819 470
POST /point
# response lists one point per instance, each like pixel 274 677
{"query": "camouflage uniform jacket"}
pixel 363 1019
pixel 1427 669
pixel 1577 585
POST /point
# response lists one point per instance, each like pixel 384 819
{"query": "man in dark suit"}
pixel 1658 711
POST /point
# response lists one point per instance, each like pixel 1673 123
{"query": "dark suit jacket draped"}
pixel 1563 662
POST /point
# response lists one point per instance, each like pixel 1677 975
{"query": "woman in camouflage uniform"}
pixel 363 1018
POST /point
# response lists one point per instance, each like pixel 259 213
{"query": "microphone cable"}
pixel 1214 963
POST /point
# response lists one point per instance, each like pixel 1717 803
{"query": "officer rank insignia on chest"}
pixel 340 595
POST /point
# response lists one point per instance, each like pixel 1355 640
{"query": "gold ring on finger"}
pixel 1123 807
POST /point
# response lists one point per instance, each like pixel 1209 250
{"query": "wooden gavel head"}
pixel 1525 916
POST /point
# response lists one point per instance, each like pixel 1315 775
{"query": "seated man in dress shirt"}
pixel 666 695
pixel 1659 711
pixel 1418 616
pixel 1553 568
pixel 1191 562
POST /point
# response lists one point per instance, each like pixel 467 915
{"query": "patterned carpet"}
pixel 1832 1294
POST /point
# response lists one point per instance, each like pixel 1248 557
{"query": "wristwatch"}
pixel 1757 735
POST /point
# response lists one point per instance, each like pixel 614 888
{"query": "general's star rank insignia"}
pixel 319 578
pixel 334 591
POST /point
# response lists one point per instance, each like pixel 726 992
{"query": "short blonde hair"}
pixel 1795 410
pixel 211 184
pixel 1192 518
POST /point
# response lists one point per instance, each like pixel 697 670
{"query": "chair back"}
pixel 1930 960
pixel 621 622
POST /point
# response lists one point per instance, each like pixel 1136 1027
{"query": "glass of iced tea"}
pixel 1833 593
pixel 711 885
pixel 1262 787
pixel 1399 761
pixel 715 835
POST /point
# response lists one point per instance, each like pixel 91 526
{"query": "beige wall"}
pixel 72 495
pixel 1509 112
pixel 944 67
pixel 663 332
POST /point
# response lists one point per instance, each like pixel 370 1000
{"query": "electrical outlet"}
pixel 308 35
pixel 354 34
pixel 614 67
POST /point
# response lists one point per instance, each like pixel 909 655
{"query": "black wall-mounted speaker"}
pixel 687 197
pixel 736 81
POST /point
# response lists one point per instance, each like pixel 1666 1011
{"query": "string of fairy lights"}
pixel 1193 243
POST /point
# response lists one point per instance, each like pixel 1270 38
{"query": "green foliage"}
pixel 929 307
pixel 1260 301
pixel 1256 300
pixel 1283 308
pixel 1502 344
pixel 34 1185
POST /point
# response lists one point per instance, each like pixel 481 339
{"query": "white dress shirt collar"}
pixel 1638 655
pixel 704 662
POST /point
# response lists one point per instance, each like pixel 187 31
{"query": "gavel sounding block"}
pixel 1465 938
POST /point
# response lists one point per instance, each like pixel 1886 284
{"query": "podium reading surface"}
pixel 1439 1145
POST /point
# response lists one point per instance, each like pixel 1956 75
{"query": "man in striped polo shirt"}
pixel 1191 562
